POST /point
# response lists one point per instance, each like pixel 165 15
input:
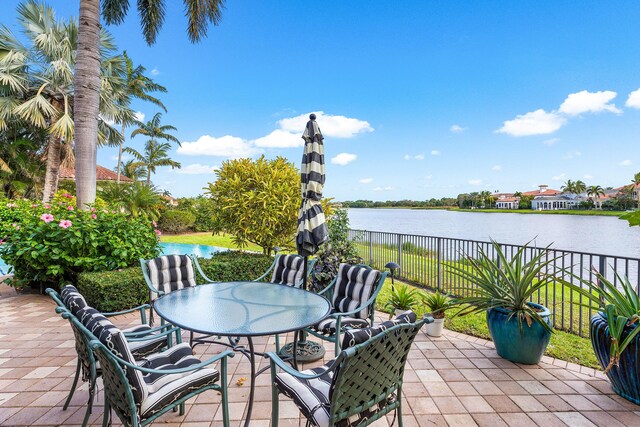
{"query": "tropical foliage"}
pixel 437 304
pixel 137 199
pixel 498 281
pixel 257 201
pixel 37 85
pixel 621 305
pixel 403 297
pixel 47 244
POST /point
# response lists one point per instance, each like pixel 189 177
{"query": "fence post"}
pixel 438 264
pixel 602 268
pixel 370 249
pixel 400 250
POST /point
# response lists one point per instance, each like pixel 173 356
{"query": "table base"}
pixel 306 351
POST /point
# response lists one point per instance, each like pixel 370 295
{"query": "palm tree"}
pixel 580 187
pixel 155 155
pixel 199 15
pixel 133 169
pixel 39 88
pixel 636 187
pixel 595 191
pixel 569 187
pixel 137 86
pixel 155 130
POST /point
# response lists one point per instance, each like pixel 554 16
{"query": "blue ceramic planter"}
pixel 526 347
pixel 625 378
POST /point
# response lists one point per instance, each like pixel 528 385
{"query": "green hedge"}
pixel 176 221
pixel 122 289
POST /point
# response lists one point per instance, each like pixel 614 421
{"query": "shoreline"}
pixel 615 214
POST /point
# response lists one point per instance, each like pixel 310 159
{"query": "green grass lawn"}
pixel 563 345
pixel 531 211
pixel 220 240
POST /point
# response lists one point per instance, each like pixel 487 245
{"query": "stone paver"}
pixel 450 381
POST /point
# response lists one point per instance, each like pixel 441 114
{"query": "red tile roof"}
pixel 538 192
pixel 102 174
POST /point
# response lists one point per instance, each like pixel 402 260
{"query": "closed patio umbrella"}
pixel 312 228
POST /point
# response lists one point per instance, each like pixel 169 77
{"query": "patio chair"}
pixel 140 391
pixel 144 340
pixel 358 387
pixel 353 296
pixel 288 270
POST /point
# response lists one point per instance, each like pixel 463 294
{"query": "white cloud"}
pixel 435 152
pixel 343 159
pixel 125 157
pixel 428 177
pixel 139 116
pixel 475 181
pixel 280 139
pixel 587 176
pixel 634 99
pixel 366 180
pixel 419 157
pixel 589 102
pixel 571 155
pixel 407 157
pixel 496 168
pixel 225 146
pixel 559 177
pixel 155 72
pixel 537 122
pixel 387 188
pixel 196 169
pixel 625 163
pixel 457 129
pixel 330 125
pixel 550 142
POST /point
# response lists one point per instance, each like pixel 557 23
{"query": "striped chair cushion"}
pixel 288 270
pixel 312 397
pixel 354 285
pixel 164 389
pixel 114 340
pixel 328 325
pixel 72 299
pixel 358 336
pixel 171 272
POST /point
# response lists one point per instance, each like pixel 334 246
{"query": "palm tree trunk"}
pixel 120 156
pixel 53 168
pixel 87 101
pixel 148 178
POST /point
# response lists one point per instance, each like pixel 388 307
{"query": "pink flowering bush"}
pixel 46 245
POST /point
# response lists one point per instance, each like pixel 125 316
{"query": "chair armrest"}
pixel 194 259
pixel 277 361
pixel 149 331
pixel 154 336
pixel 227 353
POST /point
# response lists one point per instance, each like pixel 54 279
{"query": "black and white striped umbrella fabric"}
pixel 312 229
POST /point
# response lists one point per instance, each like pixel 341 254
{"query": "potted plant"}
pixel 614 331
pixel 504 287
pixel 437 304
pixel 402 298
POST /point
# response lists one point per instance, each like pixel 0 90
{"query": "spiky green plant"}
pixel 437 303
pixel 621 307
pixel 402 297
pixel 500 282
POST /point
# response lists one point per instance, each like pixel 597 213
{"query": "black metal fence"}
pixel 424 261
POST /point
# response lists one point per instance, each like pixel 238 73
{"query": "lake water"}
pixel 598 234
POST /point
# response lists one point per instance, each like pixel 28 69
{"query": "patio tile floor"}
pixel 455 380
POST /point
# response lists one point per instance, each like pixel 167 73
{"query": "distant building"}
pixel 547 199
pixel 506 201
pixel 102 175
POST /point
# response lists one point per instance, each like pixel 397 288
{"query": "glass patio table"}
pixel 241 309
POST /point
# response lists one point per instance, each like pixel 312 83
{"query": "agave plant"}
pixel 502 282
pixel 437 303
pixel 402 297
pixel 621 307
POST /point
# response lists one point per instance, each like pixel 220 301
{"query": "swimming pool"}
pixel 202 251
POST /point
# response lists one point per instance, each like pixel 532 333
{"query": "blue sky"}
pixel 420 99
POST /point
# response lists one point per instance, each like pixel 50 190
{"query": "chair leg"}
pixel 337 345
pixel 73 386
pixel 181 409
pixel 92 393
pixel 399 409
pixel 274 406
pixel 225 395
pixel 106 417
pixel 277 343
